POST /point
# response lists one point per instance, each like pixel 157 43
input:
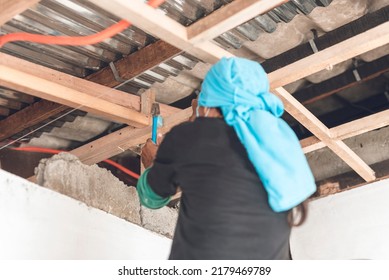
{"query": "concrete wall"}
pixel 38 223
pixel 98 188
pixel 350 225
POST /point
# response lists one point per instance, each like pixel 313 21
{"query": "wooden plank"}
pixel 228 17
pixel 366 72
pixel 147 98
pixel 125 138
pixel 157 24
pixel 349 130
pixel 129 67
pixel 28 117
pixel 114 96
pixel 49 90
pixel 359 44
pixel 11 8
pixel 306 118
pixel 340 34
pixel 361 126
pixel 135 64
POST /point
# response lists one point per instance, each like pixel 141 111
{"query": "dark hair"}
pixel 298 214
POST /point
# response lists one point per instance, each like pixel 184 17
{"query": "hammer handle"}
pixel 154 129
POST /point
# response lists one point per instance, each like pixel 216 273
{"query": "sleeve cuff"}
pixel 147 196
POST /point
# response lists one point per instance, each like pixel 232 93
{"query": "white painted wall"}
pixel 37 223
pixel 350 225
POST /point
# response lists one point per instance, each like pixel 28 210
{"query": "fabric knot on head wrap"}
pixel 240 88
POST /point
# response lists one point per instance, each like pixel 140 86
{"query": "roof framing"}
pixel 128 67
pixel 30 78
pixel 196 41
pixel 172 32
pixel 227 18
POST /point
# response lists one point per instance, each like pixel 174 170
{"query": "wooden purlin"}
pixel 28 117
pixel 357 45
pixel 348 130
pixel 135 64
pixel 19 80
pixel 228 17
pixel 306 118
pixel 151 21
pixel 155 23
pixel 11 8
pixel 125 138
pixel 129 67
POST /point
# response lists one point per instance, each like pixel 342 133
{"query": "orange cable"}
pixel 53 151
pixel 73 41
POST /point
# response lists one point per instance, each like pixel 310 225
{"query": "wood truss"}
pixel 197 41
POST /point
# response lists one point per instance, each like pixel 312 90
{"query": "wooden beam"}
pixel 348 130
pixel 157 24
pixel 114 96
pixel 28 117
pixel 359 44
pixel 135 64
pixel 11 8
pixel 340 34
pixel 129 67
pixel 306 118
pixel 365 72
pixel 125 138
pixel 228 17
pixel 147 98
pixel 49 90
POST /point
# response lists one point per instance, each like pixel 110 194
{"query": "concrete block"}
pixel 92 185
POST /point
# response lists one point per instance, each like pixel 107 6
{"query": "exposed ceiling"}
pixel 136 59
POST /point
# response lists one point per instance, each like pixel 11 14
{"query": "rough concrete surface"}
pixel 162 221
pixel 98 188
pixel 94 186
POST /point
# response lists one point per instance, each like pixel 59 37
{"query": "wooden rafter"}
pixel 228 17
pixel 306 118
pixel 11 8
pixel 32 84
pixel 349 130
pixel 359 44
pixel 28 117
pixel 125 138
pixel 328 39
pixel 161 26
pixel 348 79
pixel 128 68
pixel 135 64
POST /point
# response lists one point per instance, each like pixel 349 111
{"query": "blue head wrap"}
pixel 241 89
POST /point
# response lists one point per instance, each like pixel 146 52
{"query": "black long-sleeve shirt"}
pixel 224 211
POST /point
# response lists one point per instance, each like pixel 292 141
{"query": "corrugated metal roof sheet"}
pixel 77 18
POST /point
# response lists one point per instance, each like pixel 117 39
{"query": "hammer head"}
pixel 155 109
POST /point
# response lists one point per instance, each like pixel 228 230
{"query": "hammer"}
pixel 155 113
